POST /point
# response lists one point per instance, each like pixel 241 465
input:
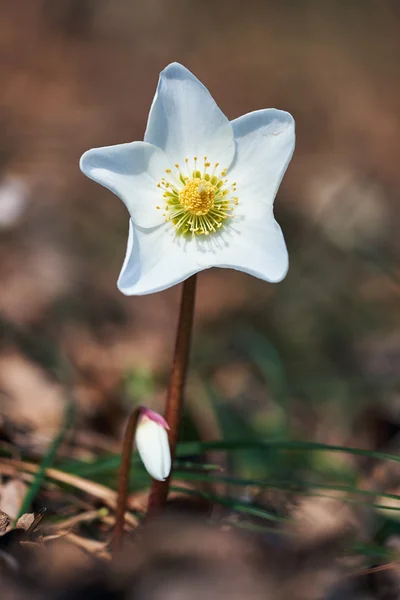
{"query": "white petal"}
pixel 185 120
pixel 132 172
pixel 156 259
pixel 153 447
pixel 253 243
pixel 265 141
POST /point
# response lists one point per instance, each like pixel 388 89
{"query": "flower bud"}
pixel 152 444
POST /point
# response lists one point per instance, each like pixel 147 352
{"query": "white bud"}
pixel 152 444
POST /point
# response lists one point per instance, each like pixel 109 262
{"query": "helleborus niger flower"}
pixel 151 440
pixel 199 189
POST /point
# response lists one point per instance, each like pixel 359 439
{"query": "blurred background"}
pixel 314 358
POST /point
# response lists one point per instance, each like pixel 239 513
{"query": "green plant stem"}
pixel 174 403
pixel 123 479
pixel 47 460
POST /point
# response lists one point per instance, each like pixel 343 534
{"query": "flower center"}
pixel 198 196
pixel 197 202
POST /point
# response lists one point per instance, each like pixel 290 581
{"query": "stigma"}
pixel 197 201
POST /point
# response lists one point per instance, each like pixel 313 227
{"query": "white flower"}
pixel 152 444
pixel 199 189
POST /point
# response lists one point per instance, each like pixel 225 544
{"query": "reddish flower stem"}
pixel 123 479
pixel 174 403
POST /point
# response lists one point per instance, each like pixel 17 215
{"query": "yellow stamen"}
pixel 198 203
pixel 197 196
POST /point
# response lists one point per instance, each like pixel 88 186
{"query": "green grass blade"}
pixel 191 449
pixel 295 485
pixel 232 503
pixel 48 459
pixel 196 448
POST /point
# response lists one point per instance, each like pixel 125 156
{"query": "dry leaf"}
pixel 25 521
pixel 4 521
pixel 12 495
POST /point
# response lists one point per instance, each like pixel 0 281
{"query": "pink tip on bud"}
pixel 147 413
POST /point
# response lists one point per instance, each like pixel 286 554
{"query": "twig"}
pixel 370 570
pixel 92 547
pixel 102 492
pixel 85 517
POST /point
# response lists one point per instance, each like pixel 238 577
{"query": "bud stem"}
pixel 174 403
pixel 123 479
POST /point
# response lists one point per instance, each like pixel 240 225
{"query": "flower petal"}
pixel 185 120
pixel 265 141
pixel 254 244
pixel 132 172
pixel 153 447
pixel 155 260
